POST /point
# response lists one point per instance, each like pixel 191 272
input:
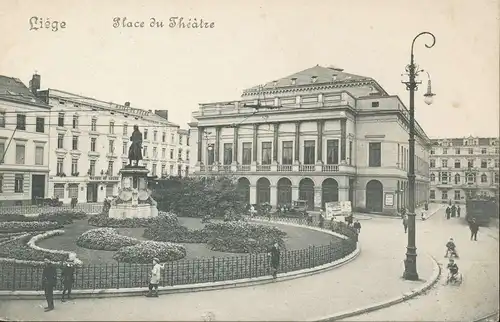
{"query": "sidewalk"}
pixel 375 276
pixel 433 209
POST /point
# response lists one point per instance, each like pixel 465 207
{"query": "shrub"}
pixel 167 229
pixel 19 250
pixel 19 226
pixel 63 217
pixel 144 252
pixel 104 239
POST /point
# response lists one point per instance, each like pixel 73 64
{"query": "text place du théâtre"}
pixel 173 22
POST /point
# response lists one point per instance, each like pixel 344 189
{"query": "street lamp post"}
pixel 410 272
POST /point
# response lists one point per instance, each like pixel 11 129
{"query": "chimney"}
pixel 127 104
pixel 35 83
pixel 162 113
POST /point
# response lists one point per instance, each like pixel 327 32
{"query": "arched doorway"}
pixel 263 191
pixel 284 191
pixel 306 192
pixel 329 191
pixel 244 188
pixel 374 196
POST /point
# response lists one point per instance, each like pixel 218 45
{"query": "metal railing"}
pixel 182 272
pixel 89 208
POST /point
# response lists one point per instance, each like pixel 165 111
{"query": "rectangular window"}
pixel 350 152
pixel 40 125
pixel 484 164
pixel 171 153
pixel 60 141
pixel 444 177
pixel 432 163
pixel 444 195
pixel 496 162
pixel 75 143
pixel 496 177
pixel 171 169
pixel 332 152
pixel 163 169
pixel 110 168
pixel 483 151
pixel 187 143
pixel 39 155
pixel 444 163
pixel 93 125
pixel 92 144
pixel 375 104
pixel 187 155
pixel 309 151
pixel 92 167
pixel 432 194
pixel 59 190
pixel 445 151
pixel 2 151
pixel 60 165
pixel 172 139
pixel 180 139
pixel 154 169
pixel 179 170
pixel 111 127
pixel 125 129
pixel 145 151
pixel 228 153
pixel 75 121
pixel 73 190
pixel 186 172
pixel 155 153
pixel 163 153
pixel 457 178
pixel 375 154
pixel 74 167
pixel 1 183
pixel 266 152
pixel 210 154
pixel 457 151
pixel 124 149
pixel 470 163
pixel 471 151
pixel 21 122
pixel 179 154
pixel 163 137
pixel 111 146
pixel 457 195
pixel 145 135
pixel 110 190
pixel 2 119
pixel 247 153
pixel 60 119
pixel 457 164
pixel 155 134
pixel 20 153
pixel 433 151
pixel 484 178
pixel 19 183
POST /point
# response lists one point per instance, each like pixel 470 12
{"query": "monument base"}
pixel 123 211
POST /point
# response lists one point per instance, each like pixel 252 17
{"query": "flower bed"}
pixel 144 252
pixel 18 250
pixel 243 237
pixel 63 217
pixel 28 226
pixel 47 252
pixel 167 229
pixel 104 239
pixel 102 220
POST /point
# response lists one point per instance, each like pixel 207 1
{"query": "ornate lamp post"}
pixel 412 85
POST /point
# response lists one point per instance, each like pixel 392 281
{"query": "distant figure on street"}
pixel 448 212
pixel 274 254
pixel 423 216
pixel 458 211
pixel 68 277
pixel 155 278
pixel 403 212
pixel 474 228
pixel 253 212
pixel 453 211
pixel 321 219
pixel 405 222
pixel 49 281
pixel 357 226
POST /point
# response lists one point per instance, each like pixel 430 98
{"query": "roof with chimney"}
pixel 13 89
pixel 314 76
pixel 465 141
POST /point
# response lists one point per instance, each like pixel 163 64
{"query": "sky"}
pixel 254 42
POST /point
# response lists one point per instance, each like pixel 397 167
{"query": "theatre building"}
pixel 318 135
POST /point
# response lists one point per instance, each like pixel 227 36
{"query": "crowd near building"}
pixel 63 145
pixel 464 167
pixel 318 135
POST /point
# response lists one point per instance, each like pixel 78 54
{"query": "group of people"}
pixel 451 250
pixel 49 280
pixel 453 211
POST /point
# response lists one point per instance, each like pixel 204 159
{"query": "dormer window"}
pixel 375 104
pixel 314 79
pixel 275 83
pixel 294 81
pixel 334 77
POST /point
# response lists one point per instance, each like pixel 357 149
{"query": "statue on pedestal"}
pixel 135 150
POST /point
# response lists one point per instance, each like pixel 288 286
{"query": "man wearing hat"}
pixel 155 278
pixel 49 281
pixel 68 276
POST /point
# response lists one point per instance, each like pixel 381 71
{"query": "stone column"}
pixel 253 194
pixel 200 143
pixel 320 141
pixel 295 193
pixel 217 145
pixel 297 142
pixel 254 145
pixel 317 197
pixel 274 195
pixel 235 145
pixel 343 140
pixel 275 142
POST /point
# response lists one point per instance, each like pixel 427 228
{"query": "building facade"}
pixel 183 153
pixel 24 144
pixel 90 142
pixel 318 135
pixel 462 167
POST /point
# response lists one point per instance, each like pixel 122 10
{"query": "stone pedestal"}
pixel 134 198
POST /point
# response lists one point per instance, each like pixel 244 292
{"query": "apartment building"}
pixel 90 142
pixel 462 167
pixel 24 144
pixel 183 153
pixel 318 135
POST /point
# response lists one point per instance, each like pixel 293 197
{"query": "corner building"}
pixel 319 135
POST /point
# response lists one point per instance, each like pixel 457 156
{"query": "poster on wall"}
pixel 389 199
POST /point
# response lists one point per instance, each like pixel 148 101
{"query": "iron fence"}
pixel 182 272
pixel 89 208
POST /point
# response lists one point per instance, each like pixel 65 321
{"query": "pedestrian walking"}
pixel 274 254
pixel 448 212
pixel 357 226
pixel 458 211
pixel 405 223
pixel 403 212
pixel 453 211
pixel 49 281
pixel 68 277
pixel 155 278
pixel 474 228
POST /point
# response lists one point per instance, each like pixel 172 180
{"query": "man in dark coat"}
pixel 458 211
pixel 448 212
pixel 275 259
pixel 357 226
pixel 405 223
pixel 453 211
pixel 49 281
pixel 68 277
pixel 474 228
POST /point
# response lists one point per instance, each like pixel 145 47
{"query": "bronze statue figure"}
pixel 135 150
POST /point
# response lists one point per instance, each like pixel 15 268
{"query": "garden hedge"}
pixel 104 239
pixel 144 252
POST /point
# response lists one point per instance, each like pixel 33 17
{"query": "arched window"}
pixel 457 178
pixel 484 178
pixel 433 177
